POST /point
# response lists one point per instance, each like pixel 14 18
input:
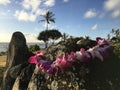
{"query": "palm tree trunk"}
pixel 47 26
pixel 46 44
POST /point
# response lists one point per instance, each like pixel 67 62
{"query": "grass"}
pixel 2 61
pixel 2 66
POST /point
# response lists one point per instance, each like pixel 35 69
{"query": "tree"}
pixel 34 48
pixel 54 34
pixel 49 34
pixel 48 18
pixel 108 36
pixel 44 35
pixel 87 37
pixel 64 37
pixel 114 35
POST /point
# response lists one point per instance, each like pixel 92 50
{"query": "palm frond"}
pixel 41 21
pixel 52 20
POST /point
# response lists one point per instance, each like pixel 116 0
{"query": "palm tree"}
pixel 48 18
pixel 64 37
pixel 108 36
pixel 87 37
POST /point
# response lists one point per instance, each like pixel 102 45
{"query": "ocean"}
pixel 4 46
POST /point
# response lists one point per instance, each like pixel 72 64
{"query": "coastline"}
pixel 4 45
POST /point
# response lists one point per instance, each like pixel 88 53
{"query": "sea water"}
pixel 4 46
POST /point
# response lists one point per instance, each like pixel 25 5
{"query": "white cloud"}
pixel 31 4
pixel 115 13
pixel 31 38
pixel 40 12
pixel 65 0
pixel 94 27
pixel 24 16
pixel 113 6
pixel 4 2
pixel 90 14
pixel 31 9
pixel 49 3
pixel 26 4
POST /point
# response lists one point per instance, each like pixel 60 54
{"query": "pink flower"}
pixel 32 60
pixel 98 38
pixel 86 56
pixel 78 55
pixel 82 50
pixel 40 53
pixel 71 57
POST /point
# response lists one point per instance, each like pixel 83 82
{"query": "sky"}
pixel 94 18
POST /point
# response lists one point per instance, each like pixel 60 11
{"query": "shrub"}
pixel 117 49
pixel 34 48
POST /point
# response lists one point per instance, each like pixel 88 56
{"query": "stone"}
pixel 18 54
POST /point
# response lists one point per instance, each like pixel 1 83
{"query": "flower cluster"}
pixel 100 51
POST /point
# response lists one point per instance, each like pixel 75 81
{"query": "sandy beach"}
pixel 2 60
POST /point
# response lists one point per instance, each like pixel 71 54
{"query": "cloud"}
pixel 5 2
pixel 90 14
pixel 94 27
pixel 40 12
pixel 65 0
pixel 113 6
pixel 31 38
pixel 24 16
pixel 31 4
pixel 49 3
pixel 115 13
pixel 31 9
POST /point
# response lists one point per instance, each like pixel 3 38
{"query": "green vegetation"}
pixel 49 34
pixel 48 18
pixel 114 36
pixel 64 37
pixel 54 34
pixel 34 48
pixel 43 35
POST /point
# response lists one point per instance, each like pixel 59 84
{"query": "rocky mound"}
pixel 94 75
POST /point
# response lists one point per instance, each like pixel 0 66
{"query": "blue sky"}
pixel 75 17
